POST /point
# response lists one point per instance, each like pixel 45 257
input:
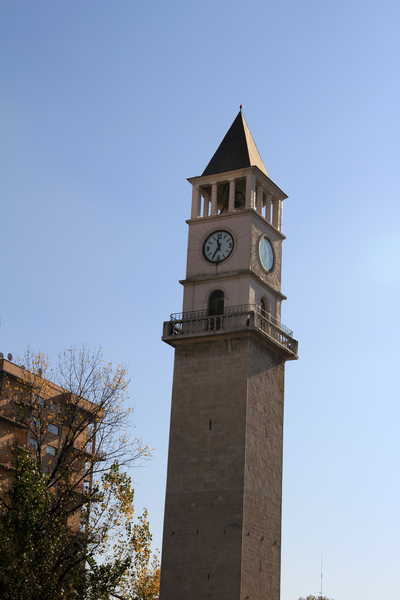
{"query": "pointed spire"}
pixel 237 150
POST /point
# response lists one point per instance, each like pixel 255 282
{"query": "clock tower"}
pixel 222 525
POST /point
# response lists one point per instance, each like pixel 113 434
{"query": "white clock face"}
pixel 266 254
pixel 218 246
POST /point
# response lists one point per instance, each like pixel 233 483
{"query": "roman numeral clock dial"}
pixel 218 246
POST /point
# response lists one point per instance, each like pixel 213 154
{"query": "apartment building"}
pixel 57 427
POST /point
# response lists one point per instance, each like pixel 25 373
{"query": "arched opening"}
pixel 265 315
pixel 263 308
pixel 216 303
pixel 216 307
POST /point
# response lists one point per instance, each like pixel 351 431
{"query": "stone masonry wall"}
pixel 223 472
pixel 263 475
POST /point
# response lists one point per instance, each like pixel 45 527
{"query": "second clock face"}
pixel 266 254
pixel 218 246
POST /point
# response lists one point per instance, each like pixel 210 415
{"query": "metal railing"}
pixel 230 310
pixel 197 314
pixel 234 318
pixel 280 334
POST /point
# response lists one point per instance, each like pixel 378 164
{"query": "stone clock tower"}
pixel 222 526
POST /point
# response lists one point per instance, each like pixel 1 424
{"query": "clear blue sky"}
pixel 106 109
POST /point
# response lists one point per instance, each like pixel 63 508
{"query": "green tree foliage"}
pixel 124 544
pixel 41 557
pixel 36 551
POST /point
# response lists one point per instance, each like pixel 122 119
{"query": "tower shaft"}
pixel 223 504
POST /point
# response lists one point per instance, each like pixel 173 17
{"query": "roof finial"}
pixel 241 106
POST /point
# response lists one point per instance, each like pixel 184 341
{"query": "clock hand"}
pixel 215 252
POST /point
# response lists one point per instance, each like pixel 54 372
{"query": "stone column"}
pixel 277 213
pixel 280 215
pixel 206 205
pixel 268 207
pixel 250 190
pixel 196 203
pixel 260 192
pixel 232 188
pixel 214 191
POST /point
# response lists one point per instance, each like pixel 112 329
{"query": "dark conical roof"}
pixel 237 150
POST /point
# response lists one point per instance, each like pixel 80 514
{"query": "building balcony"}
pixel 7 461
pixel 86 449
pixel 15 443
pixel 10 415
pixel 235 319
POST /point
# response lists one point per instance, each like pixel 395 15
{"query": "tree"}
pixel 69 479
pixel 125 544
pixel 37 554
pixel 41 557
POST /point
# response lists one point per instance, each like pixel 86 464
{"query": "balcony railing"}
pixel 231 310
pixel 234 318
pixel 13 416
pixel 84 447
pixel 87 449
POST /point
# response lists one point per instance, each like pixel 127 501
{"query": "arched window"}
pixel 265 315
pixel 216 303
pixel 216 307
pixel 263 307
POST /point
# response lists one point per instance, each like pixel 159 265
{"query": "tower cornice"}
pixel 233 275
pixel 224 216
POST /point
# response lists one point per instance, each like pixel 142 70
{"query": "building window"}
pixel 216 303
pixel 33 443
pixel 263 308
pixel 38 399
pixel 53 407
pixel 216 307
pixel 53 429
pixel 37 422
pixel 264 311
pixel 51 450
